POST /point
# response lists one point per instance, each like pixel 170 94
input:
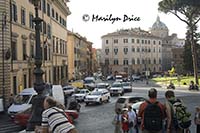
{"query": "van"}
pixel 23 100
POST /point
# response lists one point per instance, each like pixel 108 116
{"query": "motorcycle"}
pixel 74 105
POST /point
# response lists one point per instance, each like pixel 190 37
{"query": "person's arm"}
pixel 73 131
pixel 169 117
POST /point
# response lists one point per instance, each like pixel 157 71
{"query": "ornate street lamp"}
pixel 37 105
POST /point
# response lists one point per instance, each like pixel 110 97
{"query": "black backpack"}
pixel 153 117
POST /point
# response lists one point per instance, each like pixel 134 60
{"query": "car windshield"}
pixel 116 85
pixel 88 81
pixel 96 93
pixel 126 84
pixel 21 99
pixel 121 100
pixel 101 86
pixel 82 92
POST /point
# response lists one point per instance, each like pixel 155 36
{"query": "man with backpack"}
pixel 152 114
pixel 177 117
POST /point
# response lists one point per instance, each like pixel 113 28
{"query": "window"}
pixel 115 61
pixel 49 31
pixel 125 62
pixel 60 20
pixel 24 51
pixel 31 25
pixel 125 40
pixel 154 42
pixel 148 41
pixel 106 61
pixel 138 41
pixel 45 52
pixel 48 9
pixel 138 61
pixel 56 45
pixel 133 49
pixel 115 51
pixel 138 49
pixel 44 27
pixel 133 61
pixel 23 16
pixel 106 41
pixel 53 13
pixel 143 61
pixel 125 50
pixel 14 50
pixel 25 81
pixel 14 12
pixel 44 6
pixel 56 16
pixel 160 61
pixel 145 41
pixel 115 40
pixel 154 61
pixel 106 51
pixel 53 44
pixel 142 41
pixel 32 51
pixel 133 40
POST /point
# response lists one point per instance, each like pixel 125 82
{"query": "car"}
pixel 136 77
pixel 125 101
pixel 102 86
pixel 136 107
pixel 110 77
pixel 127 86
pixel 81 94
pixel 69 90
pixel 98 96
pixel 89 82
pixel 116 89
pixel 118 78
pixel 22 118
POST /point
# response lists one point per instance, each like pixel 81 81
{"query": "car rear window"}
pixel 121 100
pixel 135 100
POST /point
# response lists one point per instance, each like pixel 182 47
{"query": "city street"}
pixel 98 118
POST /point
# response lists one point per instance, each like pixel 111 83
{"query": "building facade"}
pixel 132 51
pixel 22 42
pixel 79 56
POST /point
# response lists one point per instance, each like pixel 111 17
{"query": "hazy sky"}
pixel 146 10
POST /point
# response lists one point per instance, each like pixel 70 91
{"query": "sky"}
pixel 142 13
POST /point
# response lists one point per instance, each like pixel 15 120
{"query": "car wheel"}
pixel 86 103
pixel 108 99
pixel 100 101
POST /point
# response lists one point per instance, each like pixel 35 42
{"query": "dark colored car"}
pixel 23 117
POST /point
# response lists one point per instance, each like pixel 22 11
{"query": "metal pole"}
pixel 3 73
pixel 37 106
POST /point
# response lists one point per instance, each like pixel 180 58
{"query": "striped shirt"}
pixel 55 119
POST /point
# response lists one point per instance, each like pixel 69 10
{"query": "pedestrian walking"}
pixel 197 119
pixel 117 121
pixel 132 120
pixel 170 122
pixel 125 120
pixel 152 114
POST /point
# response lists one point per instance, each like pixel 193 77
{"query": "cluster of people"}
pixel 157 117
pixel 125 120
pixel 193 86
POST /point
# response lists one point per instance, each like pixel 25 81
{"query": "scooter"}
pixel 74 105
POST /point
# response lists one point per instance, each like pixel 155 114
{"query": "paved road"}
pixel 98 118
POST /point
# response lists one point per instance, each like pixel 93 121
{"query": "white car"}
pixel 69 90
pixel 89 82
pixel 116 89
pixel 98 96
pixel 127 86
pixel 80 95
pixel 102 86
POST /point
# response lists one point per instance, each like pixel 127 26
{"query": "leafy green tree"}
pixel 187 11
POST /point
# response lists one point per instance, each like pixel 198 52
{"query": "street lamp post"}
pixel 37 105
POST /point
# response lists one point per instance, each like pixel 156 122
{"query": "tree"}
pixel 187 11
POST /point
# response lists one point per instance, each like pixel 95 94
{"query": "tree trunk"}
pixel 194 55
